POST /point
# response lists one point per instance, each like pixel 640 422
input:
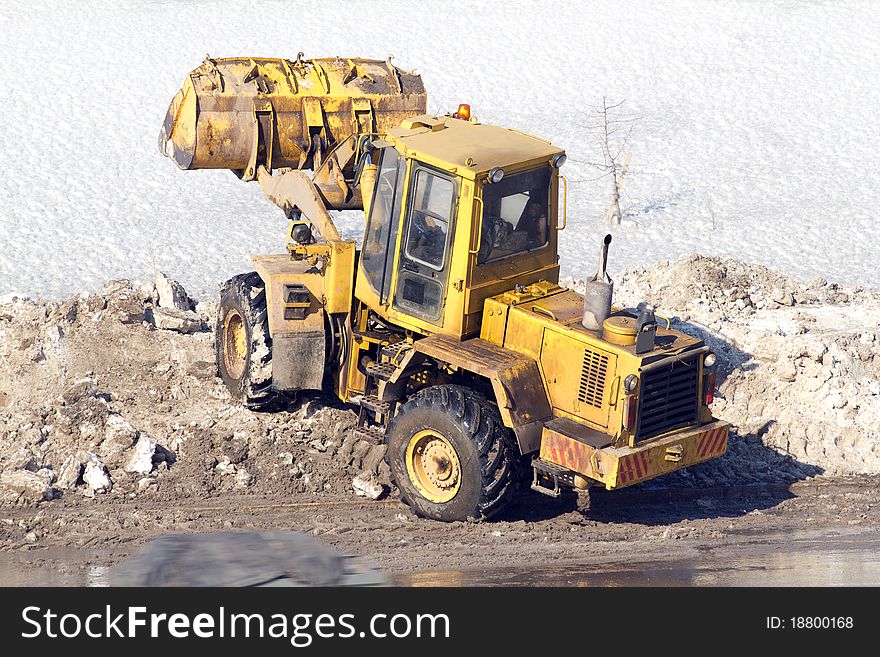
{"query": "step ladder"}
pixel 550 479
pixel 374 414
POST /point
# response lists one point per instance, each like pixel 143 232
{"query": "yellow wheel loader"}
pixel 447 328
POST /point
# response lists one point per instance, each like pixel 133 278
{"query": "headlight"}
pixel 630 383
pixel 558 160
pixel 709 360
pixel 496 174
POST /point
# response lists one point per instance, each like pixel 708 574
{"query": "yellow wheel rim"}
pixel 234 344
pixel 433 466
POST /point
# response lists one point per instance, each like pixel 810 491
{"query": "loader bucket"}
pixel 240 113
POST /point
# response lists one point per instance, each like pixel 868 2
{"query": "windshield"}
pixel 515 212
pixel 381 233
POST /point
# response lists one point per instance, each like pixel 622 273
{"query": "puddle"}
pixel 53 568
pixel 826 559
pixel 830 561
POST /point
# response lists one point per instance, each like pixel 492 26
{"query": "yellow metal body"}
pixel 583 374
pixel 543 321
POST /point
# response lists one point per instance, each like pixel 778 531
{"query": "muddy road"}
pixel 825 532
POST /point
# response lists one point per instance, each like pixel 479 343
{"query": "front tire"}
pixel 451 456
pixel 242 343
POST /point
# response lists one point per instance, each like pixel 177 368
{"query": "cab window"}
pixel 429 219
pixel 515 214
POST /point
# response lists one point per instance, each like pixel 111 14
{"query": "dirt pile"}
pixel 799 363
pixel 96 401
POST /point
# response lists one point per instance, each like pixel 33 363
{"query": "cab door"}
pixel 423 262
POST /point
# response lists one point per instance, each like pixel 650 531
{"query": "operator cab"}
pixel 460 211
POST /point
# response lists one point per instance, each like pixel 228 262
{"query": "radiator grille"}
pixel 669 398
pixel 593 378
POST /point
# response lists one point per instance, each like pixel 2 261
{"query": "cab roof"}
pixel 467 148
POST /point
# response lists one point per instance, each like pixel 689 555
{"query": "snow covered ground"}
pixel 759 138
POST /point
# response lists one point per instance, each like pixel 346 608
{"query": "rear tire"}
pixel 243 345
pixel 451 456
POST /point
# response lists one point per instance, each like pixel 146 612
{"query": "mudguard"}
pixel 516 381
pixel 294 298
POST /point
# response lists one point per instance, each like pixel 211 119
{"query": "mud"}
pixel 644 537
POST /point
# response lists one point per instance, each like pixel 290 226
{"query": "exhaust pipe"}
pixel 597 295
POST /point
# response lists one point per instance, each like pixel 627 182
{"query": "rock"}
pixel 164 455
pixel 344 452
pixel 243 478
pixel 36 353
pixel 119 436
pixel 146 292
pixel 31 537
pixel 365 485
pixel 203 369
pixel 805 298
pixel 22 459
pixel 146 483
pixel 171 293
pixel 374 457
pixel 95 304
pixel 361 449
pixel 235 449
pixel 30 486
pixel 127 310
pixel 47 474
pixel 141 459
pixel 169 319
pixel 318 445
pixel 225 467
pixel 119 287
pixel 786 370
pixel 68 311
pixel 70 474
pixel 782 297
pixel 83 388
pixel 96 476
